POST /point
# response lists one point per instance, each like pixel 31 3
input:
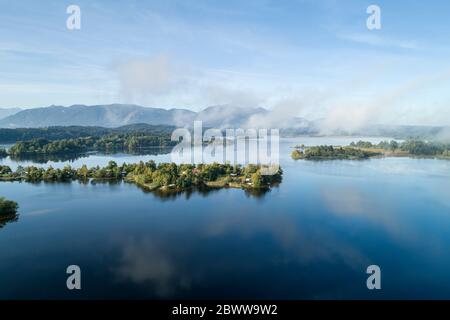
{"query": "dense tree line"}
pixel 66 174
pixel 50 133
pixel 72 132
pixel 187 175
pixel 414 147
pixel 367 149
pixel 331 152
pixel 385 145
pixel 128 142
pixel 149 175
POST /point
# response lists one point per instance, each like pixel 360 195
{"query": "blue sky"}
pixel 310 58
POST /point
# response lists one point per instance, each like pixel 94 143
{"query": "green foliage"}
pixel 77 140
pixel 149 175
pixel 296 154
pixel 73 132
pixel 8 207
pixel 5 170
pixel 330 152
pixel 362 144
pixel 414 147
pixel 250 169
pixel 417 147
pixel 257 179
pixel 386 145
pixel 130 142
pixel 366 149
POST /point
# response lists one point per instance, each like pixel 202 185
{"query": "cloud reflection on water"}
pixel 142 261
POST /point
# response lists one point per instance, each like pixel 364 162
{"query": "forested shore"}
pixel 365 149
pixel 150 176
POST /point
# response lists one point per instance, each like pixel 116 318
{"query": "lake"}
pixel 312 237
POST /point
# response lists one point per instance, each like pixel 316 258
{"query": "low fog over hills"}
pixel 223 116
pixel 122 114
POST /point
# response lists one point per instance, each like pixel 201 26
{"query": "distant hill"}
pixel 116 115
pixel 101 115
pixel 8 112
pixel 222 116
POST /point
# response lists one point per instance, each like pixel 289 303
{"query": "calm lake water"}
pixel 311 237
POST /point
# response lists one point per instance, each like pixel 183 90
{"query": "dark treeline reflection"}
pixel 168 195
pixel 44 158
pixel 203 191
pixel 4 220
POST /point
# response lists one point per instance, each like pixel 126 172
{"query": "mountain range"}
pixel 116 115
pixel 99 115
pixel 223 116
pixel 8 112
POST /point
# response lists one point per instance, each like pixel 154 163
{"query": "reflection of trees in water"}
pixel 101 181
pixel 4 220
pixel 149 151
pixel 171 195
pixel 261 193
pixel 163 195
pixel 43 158
pixel 204 191
pixel 256 193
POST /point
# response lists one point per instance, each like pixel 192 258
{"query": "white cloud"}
pixel 141 80
pixel 390 105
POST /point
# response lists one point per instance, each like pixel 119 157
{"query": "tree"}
pixel 8 207
pixel 394 145
pixel 257 179
pixel 296 154
pixel 83 172
pixel 5 170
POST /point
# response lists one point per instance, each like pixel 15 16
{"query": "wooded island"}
pixel 365 149
pixel 150 176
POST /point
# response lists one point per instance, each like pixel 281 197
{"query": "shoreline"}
pixel 164 177
pixel 363 150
